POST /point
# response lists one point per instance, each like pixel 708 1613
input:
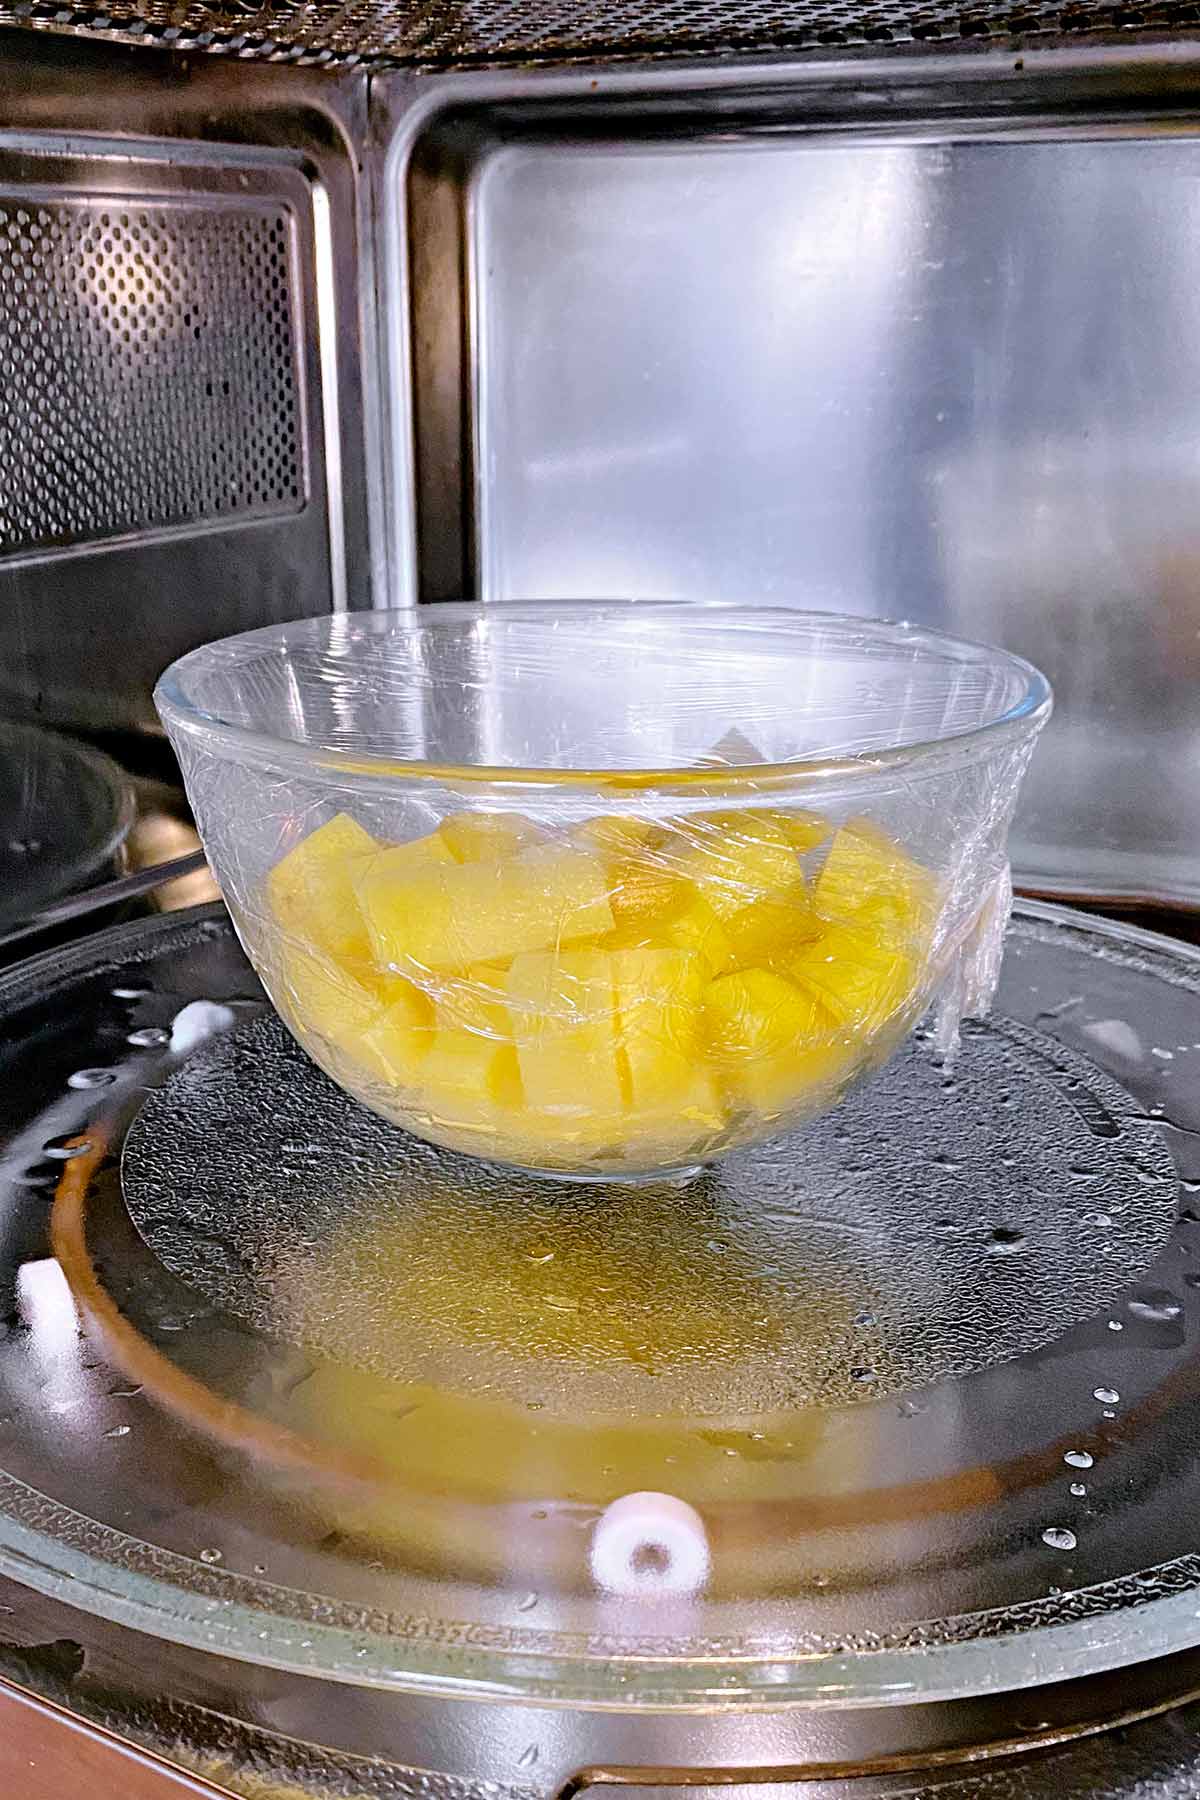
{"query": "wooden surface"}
pixel 45 1754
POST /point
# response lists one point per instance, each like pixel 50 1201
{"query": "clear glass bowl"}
pixel 606 889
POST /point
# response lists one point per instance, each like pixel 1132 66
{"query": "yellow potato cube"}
pixel 856 976
pixel 312 889
pixel 400 1036
pixel 382 1025
pixel 641 890
pixel 736 859
pixel 694 925
pixel 319 996
pixel 563 1016
pixel 618 835
pixel 469 1084
pixel 476 999
pixel 462 913
pixel 864 867
pixel 777 1045
pixel 671 1094
pixel 659 998
pixel 803 830
pixel 486 836
pixel 771 932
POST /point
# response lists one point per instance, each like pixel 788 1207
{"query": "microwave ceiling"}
pixel 499 33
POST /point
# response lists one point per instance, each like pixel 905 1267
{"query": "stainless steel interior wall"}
pixel 181 361
pixel 943 369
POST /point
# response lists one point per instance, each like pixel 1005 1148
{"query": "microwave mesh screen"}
pixel 148 362
pixel 464 33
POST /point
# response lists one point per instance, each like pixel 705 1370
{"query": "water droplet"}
pixel 118 1431
pixel 172 1322
pixel 539 1256
pixel 863 1375
pixel 864 1319
pixel 1005 1240
pixel 1115 1325
pixel 1108 1413
pixel 1157 1305
pixel 123 1393
pixel 527 1602
pixel 1059 1538
pixel 1102 1221
pixel 91 1078
pixel 1078 1489
pixel 148 1037
pixel 1163 1055
pixel 1079 1459
pixel 539 1512
pixel 210 1556
pixel 65 1152
pixel 260 1568
pixel 130 993
pixel 528 1757
pixel 1107 1396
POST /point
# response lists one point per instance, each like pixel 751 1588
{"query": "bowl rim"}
pixel 246 744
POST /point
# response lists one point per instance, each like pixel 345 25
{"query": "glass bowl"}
pixel 607 890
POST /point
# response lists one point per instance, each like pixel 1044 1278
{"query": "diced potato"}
pixel 312 889
pixel 803 830
pixel 777 1044
pixel 401 1035
pixel 659 998
pixel 476 999
pixel 864 866
pixel 462 913
pixel 320 996
pixel 694 925
pixel 772 932
pixel 640 890
pixel 608 999
pixel 736 859
pixel 857 977
pixel 617 834
pixel 486 836
pixel 671 1094
pixel 563 1019
pixel 469 1083
pixel 382 1025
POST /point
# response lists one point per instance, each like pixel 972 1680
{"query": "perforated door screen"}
pixel 148 362
pixel 456 33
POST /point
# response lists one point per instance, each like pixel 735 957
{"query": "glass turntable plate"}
pixel 904 1407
